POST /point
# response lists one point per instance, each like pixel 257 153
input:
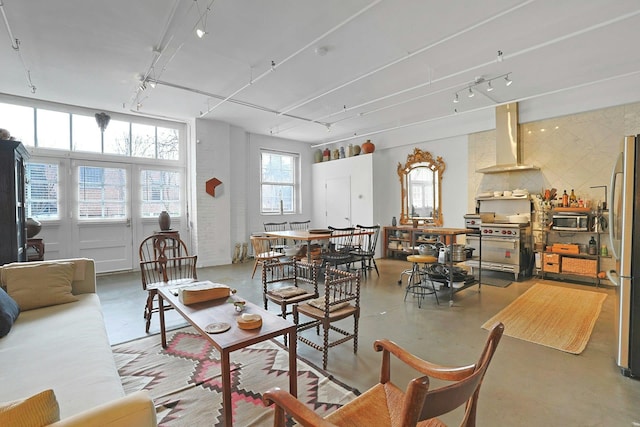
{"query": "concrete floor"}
pixel 526 384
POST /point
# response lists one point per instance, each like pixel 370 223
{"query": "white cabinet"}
pixel 343 192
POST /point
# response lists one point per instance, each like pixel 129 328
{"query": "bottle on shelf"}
pixel 593 246
pixel 573 200
pixel 565 199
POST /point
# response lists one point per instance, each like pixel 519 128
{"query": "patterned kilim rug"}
pixel 553 316
pixel 184 379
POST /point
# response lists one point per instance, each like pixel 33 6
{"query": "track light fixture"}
pixel 507 80
pixel 202 31
pixel 471 88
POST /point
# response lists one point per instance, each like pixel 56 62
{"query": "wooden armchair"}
pixel 164 262
pixel 386 405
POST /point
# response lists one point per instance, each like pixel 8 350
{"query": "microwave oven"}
pixel 571 222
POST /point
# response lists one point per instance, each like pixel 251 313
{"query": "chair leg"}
pixel 255 266
pixel 325 343
pixel 376 266
pixel 149 310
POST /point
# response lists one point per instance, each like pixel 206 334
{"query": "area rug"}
pixel 553 316
pixel 184 379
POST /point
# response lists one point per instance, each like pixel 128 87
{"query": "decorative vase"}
pixel 368 147
pixel 33 227
pixel 394 221
pixel 326 155
pixel 356 150
pixel 317 156
pixel 335 154
pixel 342 154
pixel 164 220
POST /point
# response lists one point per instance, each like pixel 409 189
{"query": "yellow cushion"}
pixel 39 410
pixel 427 259
pixel 34 286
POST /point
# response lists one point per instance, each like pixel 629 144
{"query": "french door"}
pixel 101 220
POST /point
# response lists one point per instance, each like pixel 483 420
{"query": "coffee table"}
pixel 202 314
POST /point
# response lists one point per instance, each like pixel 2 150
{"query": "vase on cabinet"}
pixel 368 147
pixel 394 221
pixel 164 221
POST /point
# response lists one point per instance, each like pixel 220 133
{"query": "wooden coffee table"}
pixel 202 314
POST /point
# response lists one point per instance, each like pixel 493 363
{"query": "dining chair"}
pixel 164 262
pixel 299 225
pixel 340 300
pixel 339 249
pixel 263 251
pixel 280 243
pixel 365 251
pixel 385 404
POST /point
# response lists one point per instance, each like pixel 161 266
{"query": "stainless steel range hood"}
pixel 508 148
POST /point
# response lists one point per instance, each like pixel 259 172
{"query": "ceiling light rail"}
pixel 480 82
pixel 15 45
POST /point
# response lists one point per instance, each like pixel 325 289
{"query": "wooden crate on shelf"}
pixel 563 248
pixel 551 263
pixel 586 267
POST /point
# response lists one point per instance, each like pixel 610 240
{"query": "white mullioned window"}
pixel 278 182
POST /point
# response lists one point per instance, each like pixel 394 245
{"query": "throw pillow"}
pixel 41 285
pixel 288 292
pixel 9 312
pixel 39 410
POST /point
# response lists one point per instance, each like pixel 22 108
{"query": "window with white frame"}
pixel 42 190
pixel 102 193
pixel 160 191
pixel 278 182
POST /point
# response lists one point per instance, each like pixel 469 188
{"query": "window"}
pixel 101 193
pixel 85 134
pixel 21 120
pixel 160 192
pixel 53 129
pixel 278 182
pixel 42 190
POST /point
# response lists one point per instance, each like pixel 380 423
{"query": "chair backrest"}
pixel 296 272
pixel 369 241
pixel 299 225
pixel 340 287
pixel 445 399
pixel 262 246
pixel 276 226
pixel 165 259
pixel 341 239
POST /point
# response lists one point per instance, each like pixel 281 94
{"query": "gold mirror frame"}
pixel 420 159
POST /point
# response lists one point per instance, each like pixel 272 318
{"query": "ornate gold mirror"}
pixel 420 188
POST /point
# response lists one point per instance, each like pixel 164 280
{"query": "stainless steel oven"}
pixel 505 247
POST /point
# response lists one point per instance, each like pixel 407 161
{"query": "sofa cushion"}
pixel 9 312
pixel 39 286
pixel 39 410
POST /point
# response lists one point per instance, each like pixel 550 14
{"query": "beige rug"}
pixel 184 380
pixel 553 316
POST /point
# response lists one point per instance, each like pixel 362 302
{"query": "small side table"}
pixel 36 245
pixel 173 235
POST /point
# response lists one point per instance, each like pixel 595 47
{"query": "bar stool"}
pixel 418 278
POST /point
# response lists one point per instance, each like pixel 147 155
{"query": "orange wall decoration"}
pixel 211 186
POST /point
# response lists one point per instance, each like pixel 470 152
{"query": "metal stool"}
pixel 418 278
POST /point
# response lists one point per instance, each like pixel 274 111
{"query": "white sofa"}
pixel 65 348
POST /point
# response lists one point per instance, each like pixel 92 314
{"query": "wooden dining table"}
pixel 310 235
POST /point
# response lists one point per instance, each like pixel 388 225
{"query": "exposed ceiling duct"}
pixel 508 147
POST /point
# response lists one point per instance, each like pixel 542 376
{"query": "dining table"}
pixel 310 235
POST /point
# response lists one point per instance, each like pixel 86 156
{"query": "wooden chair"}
pixel 341 300
pixel 299 225
pixel 365 251
pixel 340 246
pixel 287 283
pixel 387 405
pixel 279 244
pixel 164 262
pixel 263 251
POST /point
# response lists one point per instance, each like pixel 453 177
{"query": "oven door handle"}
pixel 499 239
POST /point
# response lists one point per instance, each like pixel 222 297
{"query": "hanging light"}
pixel 456 99
pixel 489 87
pixel 201 32
pixel 471 94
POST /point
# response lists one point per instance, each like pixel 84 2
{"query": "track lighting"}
pixel 480 80
pixel 507 80
pixel 201 32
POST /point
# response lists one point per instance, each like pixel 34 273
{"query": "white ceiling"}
pixel 388 63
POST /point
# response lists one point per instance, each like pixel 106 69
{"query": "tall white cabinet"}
pixel 343 192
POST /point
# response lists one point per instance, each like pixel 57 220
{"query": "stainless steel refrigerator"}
pixel 624 232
